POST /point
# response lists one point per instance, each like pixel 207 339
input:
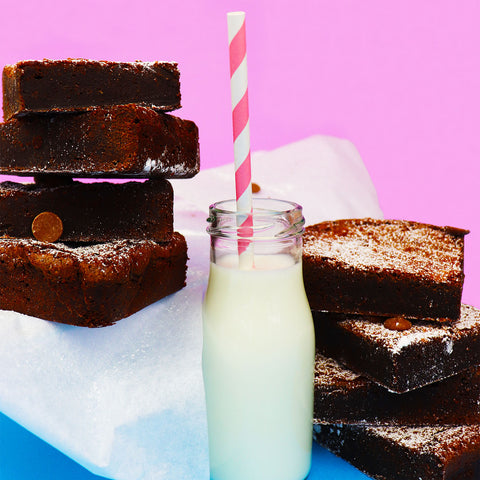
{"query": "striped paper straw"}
pixel 241 130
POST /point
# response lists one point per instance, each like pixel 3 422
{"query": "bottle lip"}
pixel 259 205
pixel 272 219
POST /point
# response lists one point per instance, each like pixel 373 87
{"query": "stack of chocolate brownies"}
pixel 91 252
pixel 397 380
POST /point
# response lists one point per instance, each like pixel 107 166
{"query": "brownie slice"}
pixel 384 267
pixel 89 286
pixel 90 212
pixel 406 453
pixel 342 396
pixel 76 84
pixel 400 360
pixel 124 141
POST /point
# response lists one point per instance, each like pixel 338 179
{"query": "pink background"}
pixel 399 79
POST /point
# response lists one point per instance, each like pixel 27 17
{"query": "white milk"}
pixel 258 357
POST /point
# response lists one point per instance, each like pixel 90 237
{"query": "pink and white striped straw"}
pixel 241 130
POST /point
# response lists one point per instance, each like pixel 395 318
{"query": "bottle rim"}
pixel 273 219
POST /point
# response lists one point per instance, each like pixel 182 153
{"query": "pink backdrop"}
pixel 399 79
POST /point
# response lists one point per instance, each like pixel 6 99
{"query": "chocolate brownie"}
pixel 400 360
pixel 76 84
pixel 406 453
pixel 52 179
pixel 89 286
pixel 90 212
pixel 384 267
pixel 342 396
pixel 125 141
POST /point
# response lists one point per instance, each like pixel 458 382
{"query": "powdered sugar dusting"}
pixel 167 167
pixel 428 440
pixel 113 260
pixel 469 318
pixel 119 248
pixel 330 372
pixel 84 61
pixel 394 245
pixel 448 345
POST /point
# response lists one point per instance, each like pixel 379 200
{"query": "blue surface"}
pixel 25 456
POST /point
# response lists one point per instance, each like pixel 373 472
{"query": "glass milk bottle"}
pixel 258 346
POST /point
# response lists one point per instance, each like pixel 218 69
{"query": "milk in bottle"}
pixel 258 348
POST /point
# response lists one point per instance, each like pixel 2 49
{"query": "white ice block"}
pixel 126 401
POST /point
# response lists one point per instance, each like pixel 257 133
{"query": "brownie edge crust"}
pixel 90 212
pixel 78 84
pixel 384 267
pixel 124 141
pixel 406 453
pixel 89 286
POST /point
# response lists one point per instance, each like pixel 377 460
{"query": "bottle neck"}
pixel 277 229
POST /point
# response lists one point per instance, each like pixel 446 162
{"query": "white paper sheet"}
pixel 126 401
